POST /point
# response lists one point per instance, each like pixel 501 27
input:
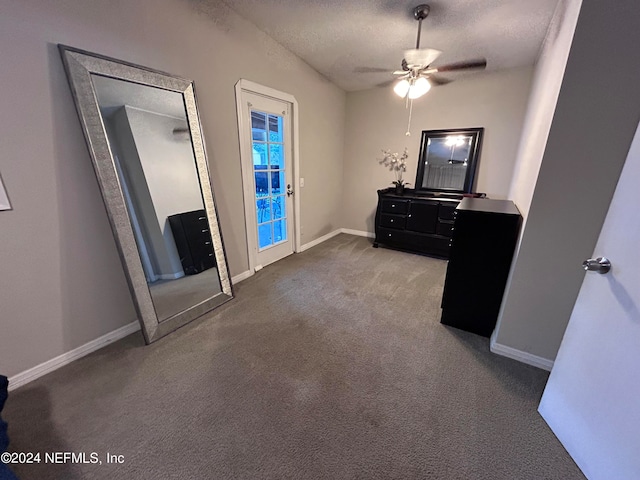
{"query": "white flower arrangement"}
pixel 396 163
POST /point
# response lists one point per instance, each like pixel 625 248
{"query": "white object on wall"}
pixel 4 199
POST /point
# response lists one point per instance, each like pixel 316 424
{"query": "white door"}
pixel 592 398
pixel 268 177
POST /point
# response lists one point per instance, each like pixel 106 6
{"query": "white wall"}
pixel 545 88
pixel 377 119
pixel 169 169
pixel 61 283
pixel 595 118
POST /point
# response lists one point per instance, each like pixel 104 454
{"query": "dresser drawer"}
pixel 445 228
pixel 389 205
pixel 195 221
pixel 423 216
pixel 446 211
pixel 391 236
pixel 417 242
pixel 393 221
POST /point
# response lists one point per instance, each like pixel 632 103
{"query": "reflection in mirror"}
pixel 448 160
pixel 148 135
pixel 145 140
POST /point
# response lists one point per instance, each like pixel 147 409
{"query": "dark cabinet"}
pixel 193 241
pixel 414 222
pixel 482 248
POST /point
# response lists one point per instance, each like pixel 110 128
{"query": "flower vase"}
pixel 399 189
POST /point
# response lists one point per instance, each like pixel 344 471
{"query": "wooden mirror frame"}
pixel 472 163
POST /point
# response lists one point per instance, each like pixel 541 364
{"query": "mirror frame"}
pixel 80 65
pixel 476 144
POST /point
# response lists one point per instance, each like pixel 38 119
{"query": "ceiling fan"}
pixel 417 76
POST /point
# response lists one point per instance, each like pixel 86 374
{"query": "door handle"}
pixel 600 265
pixel 289 191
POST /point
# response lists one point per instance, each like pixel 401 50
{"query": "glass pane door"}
pixel 267 142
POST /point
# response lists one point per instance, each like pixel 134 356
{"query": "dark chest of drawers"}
pixel 193 241
pixel 415 223
pixel 482 248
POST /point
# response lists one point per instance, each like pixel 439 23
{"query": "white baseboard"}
pixel 318 241
pixel 171 276
pixel 519 355
pixel 50 365
pixel 326 237
pixel 241 276
pixel 360 233
pixel 61 360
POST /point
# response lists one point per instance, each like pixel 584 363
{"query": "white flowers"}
pixel 396 163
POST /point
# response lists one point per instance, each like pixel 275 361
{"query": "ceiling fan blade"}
pixel 387 83
pixel 480 63
pixel 421 56
pixel 402 72
pixel 371 70
pixel 436 80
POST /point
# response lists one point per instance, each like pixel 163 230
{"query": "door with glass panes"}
pixel 270 124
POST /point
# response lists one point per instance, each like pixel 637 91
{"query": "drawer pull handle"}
pixel 211 254
pixel 207 243
pixel 388 234
pixel 202 218
pixel 205 230
pixel 393 205
pixel 409 215
pixel 392 220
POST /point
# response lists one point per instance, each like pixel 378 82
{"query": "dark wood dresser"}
pixel 193 241
pixel 482 248
pixel 420 223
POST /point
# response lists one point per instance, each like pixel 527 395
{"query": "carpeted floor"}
pixel 330 364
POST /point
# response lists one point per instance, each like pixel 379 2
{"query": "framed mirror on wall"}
pixel 448 160
pixel 143 132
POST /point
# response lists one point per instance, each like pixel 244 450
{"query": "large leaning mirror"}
pixel 448 160
pixel 144 136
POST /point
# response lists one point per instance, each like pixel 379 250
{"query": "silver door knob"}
pixel 600 265
pixel 289 191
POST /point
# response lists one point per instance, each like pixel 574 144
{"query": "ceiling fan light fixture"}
pixel 402 88
pixel 419 88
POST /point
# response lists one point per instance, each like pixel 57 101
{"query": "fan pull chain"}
pixel 408 133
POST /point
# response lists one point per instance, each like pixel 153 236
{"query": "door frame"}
pixel 246 86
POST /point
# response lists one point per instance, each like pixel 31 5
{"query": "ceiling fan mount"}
pixel 421 12
pixel 416 64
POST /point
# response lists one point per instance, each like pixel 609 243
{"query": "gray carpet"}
pixel 330 364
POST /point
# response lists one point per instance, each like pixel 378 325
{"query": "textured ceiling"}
pixel 342 39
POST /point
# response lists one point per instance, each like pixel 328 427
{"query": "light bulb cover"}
pixel 419 88
pixel 402 88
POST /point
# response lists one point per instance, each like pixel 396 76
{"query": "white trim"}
pixel 66 358
pixel 255 88
pixel 324 238
pixel 60 361
pixel 519 355
pixel 360 233
pixel 171 276
pixel 318 241
pixel 241 276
